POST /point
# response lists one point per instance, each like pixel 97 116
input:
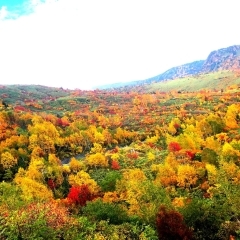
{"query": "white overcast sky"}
pixel 85 43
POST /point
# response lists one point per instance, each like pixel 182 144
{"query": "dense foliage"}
pixel 121 165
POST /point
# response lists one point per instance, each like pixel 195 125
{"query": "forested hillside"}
pixel 119 164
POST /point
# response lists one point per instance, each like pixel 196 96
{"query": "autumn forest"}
pixel 119 164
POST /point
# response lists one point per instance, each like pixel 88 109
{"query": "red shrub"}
pixel 62 122
pixel 190 154
pixel 170 225
pixel 174 147
pixel 176 125
pixel 20 109
pixel 151 145
pixel 80 195
pixel 114 150
pixel 115 165
pixel 51 184
pixel 132 155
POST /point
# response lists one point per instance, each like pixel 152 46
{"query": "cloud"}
pixel 74 43
pixel 3 13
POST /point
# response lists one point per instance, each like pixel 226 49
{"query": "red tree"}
pixel 51 183
pixel 115 165
pixel 190 154
pixel 79 195
pixel 174 147
pixel 170 225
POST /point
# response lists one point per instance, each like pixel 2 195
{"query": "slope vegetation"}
pixel 209 81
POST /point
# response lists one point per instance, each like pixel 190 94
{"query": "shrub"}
pixel 174 147
pixel 99 210
pixel 170 225
pixel 106 178
pixel 46 220
pixel 205 216
pixel 79 195
pixel 210 156
pixel 108 184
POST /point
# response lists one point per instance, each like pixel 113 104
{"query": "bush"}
pixel 99 210
pixel 205 217
pixel 81 228
pixel 34 221
pixel 170 225
pixel 210 156
pixel 106 179
pixel 108 184
pixel 79 195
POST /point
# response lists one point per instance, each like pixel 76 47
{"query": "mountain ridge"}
pixel 222 59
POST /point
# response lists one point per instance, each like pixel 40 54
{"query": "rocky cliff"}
pixel 223 59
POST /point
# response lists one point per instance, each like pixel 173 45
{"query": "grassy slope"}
pixel 13 94
pixel 216 80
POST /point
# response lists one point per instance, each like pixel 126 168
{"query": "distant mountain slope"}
pixel 117 85
pixel 221 59
pixel 180 71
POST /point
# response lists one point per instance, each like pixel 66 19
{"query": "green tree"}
pixel 99 210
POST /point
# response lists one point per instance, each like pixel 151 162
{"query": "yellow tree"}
pixel 231 116
pixel 76 165
pixel 53 169
pixel 230 153
pixel 203 128
pixel 32 189
pixel 96 160
pixel 191 138
pixel 75 142
pixel 230 170
pixel 211 173
pixel 166 175
pixel 43 134
pixel 81 178
pixel 7 160
pixel 186 176
pixel 128 188
pixel 97 148
pixel 108 139
pixel 213 144
pixel 36 169
pixel 98 137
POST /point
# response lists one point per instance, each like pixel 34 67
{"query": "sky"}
pixel 81 44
